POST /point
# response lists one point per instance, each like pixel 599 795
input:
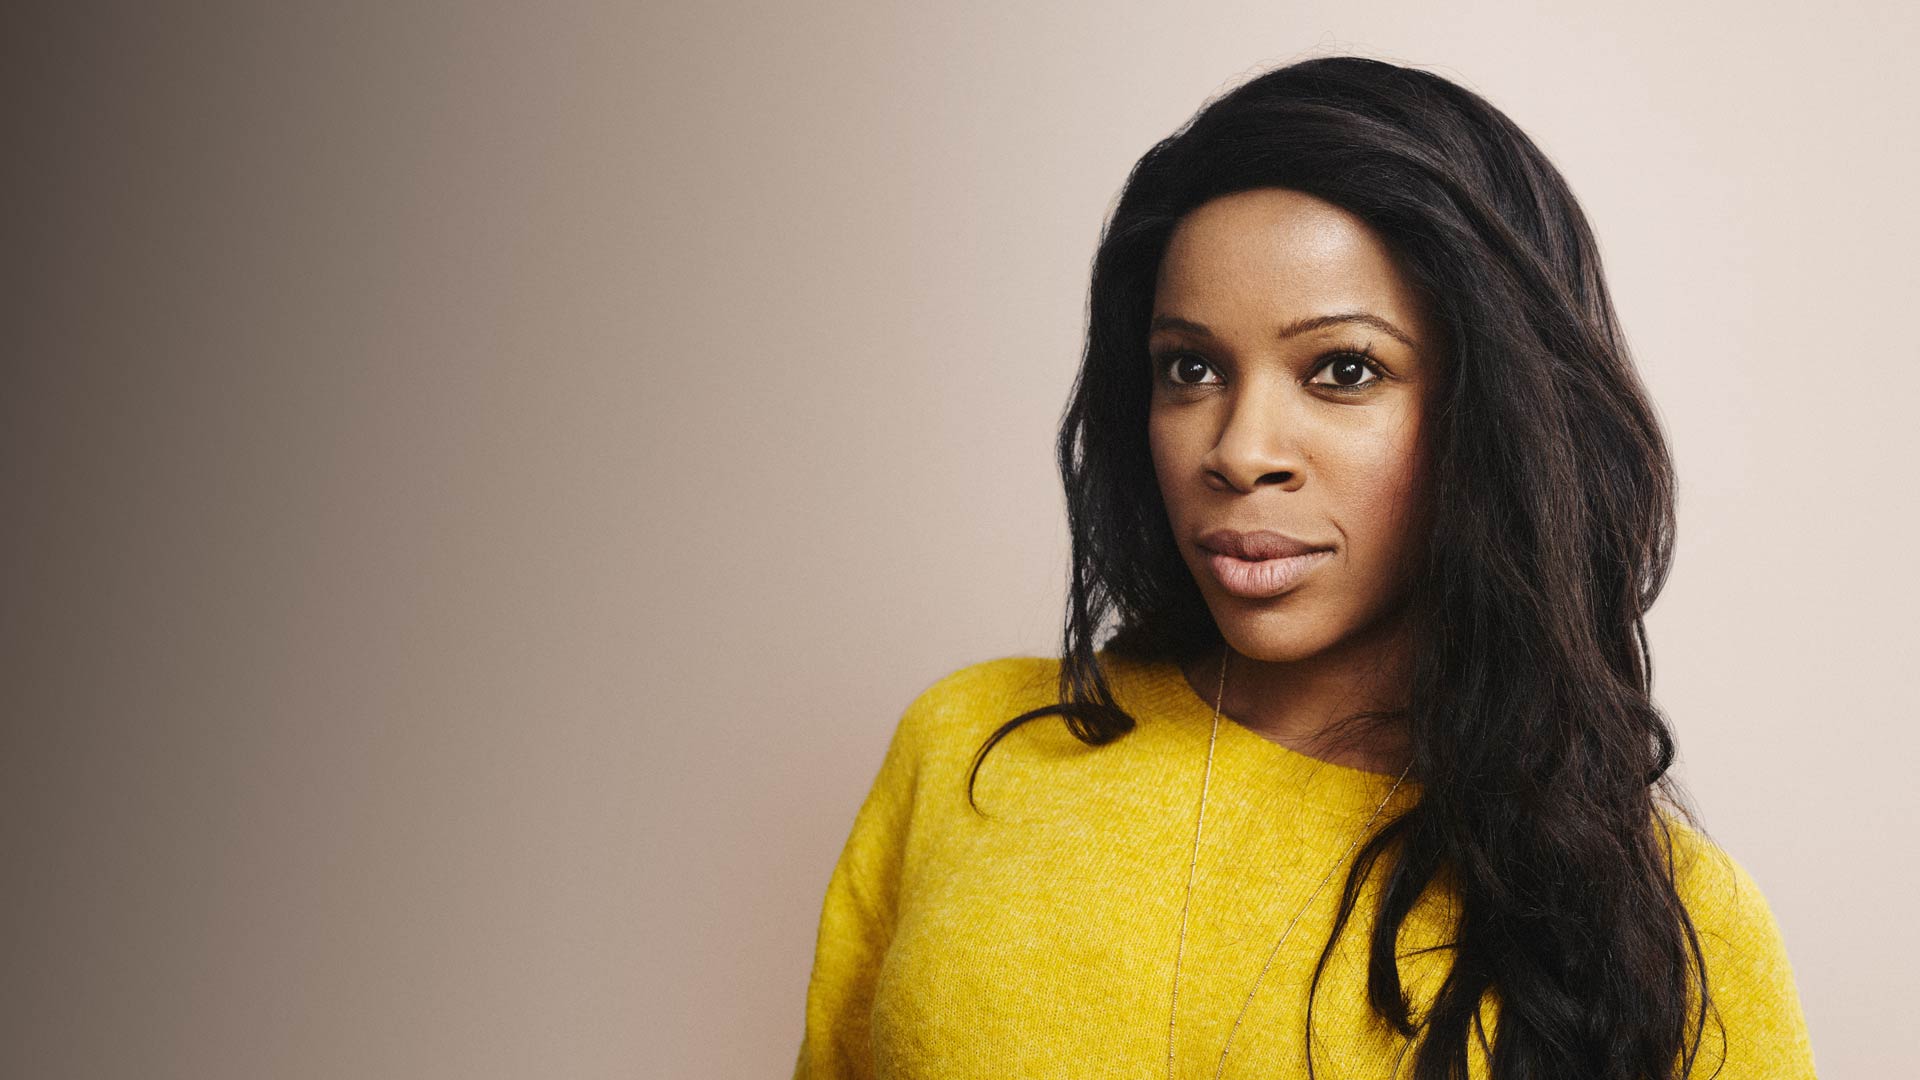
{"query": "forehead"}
pixel 1272 255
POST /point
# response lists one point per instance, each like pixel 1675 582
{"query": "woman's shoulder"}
pixel 972 700
pixel 983 692
pixel 998 675
pixel 1715 886
pixel 1749 975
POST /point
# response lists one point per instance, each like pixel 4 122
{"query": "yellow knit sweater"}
pixel 1039 941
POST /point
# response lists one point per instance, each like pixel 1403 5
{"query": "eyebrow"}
pixel 1297 327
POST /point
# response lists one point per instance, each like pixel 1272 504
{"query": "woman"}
pixel 1367 780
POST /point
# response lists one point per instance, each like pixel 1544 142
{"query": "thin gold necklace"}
pixel 1173 1011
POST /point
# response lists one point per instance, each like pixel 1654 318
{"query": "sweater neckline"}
pixel 1160 689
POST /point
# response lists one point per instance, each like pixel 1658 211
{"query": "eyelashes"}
pixel 1164 361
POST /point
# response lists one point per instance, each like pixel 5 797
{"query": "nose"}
pixel 1259 444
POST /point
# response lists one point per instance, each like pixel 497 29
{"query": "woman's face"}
pixel 1291 361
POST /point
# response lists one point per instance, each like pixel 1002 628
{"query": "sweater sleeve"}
pixel 857 916
pixel 1749 976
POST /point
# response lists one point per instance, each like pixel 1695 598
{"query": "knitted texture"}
pixel 1038 941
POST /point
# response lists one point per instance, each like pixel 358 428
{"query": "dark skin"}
pixel 1292 360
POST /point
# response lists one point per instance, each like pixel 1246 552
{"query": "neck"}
pixel 1301 704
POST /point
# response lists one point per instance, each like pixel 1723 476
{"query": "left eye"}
pixel 1349 365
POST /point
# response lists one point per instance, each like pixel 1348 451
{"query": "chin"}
pixel 1275 637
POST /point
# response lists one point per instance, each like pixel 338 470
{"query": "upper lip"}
pixel 1257 545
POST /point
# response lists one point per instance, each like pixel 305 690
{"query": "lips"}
pixel 1258 545
pixel 1260 565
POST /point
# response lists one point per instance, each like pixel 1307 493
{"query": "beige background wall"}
pixel 481 481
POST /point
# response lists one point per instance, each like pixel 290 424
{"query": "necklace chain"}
pixel 1193 862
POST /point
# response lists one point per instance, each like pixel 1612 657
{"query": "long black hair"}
pixel 1549 518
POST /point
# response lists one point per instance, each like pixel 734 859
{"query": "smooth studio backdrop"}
pixel 483 480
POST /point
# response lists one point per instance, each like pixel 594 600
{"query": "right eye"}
pixel 1183 369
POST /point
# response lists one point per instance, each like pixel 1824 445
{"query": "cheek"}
pixel 1177 447
pixel 1163 443
pixel 1380 491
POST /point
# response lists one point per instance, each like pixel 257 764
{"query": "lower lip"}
pixel 1267 577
